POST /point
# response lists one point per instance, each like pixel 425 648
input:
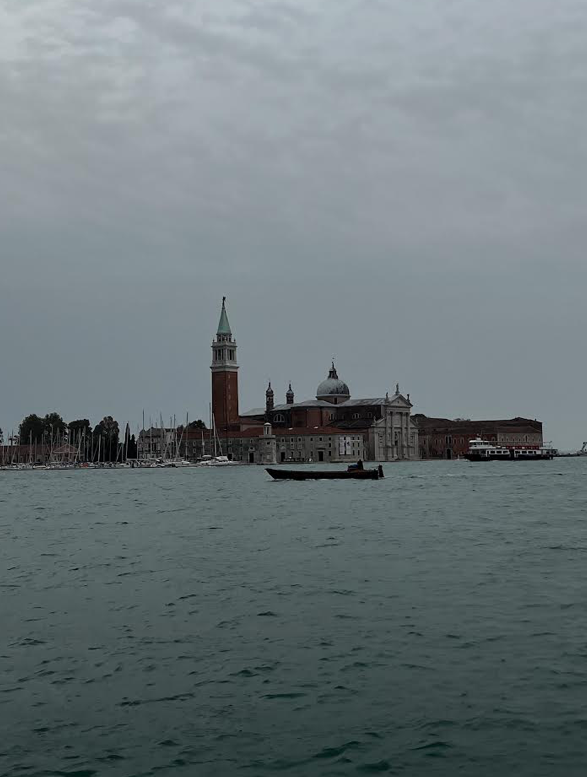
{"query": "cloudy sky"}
pixel 399 184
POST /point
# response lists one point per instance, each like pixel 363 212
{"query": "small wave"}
pixel 380 766
pixel 334 752
pixel 78 773
pixel 140 702
pixel 435 748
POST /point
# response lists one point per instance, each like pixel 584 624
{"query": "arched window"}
pixel 279 418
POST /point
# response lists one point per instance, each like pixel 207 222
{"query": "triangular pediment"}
pixel 398 400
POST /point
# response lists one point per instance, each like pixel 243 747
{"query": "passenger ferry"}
pixel 481 450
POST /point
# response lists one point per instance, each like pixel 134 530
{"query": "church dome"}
pixel 333 387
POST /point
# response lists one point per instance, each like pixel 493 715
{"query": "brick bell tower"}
pixel 224 377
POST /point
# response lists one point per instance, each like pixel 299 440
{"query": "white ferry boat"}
pixel 481 450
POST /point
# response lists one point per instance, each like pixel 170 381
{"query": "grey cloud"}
pixel 360 177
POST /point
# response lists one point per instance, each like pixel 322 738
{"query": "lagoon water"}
pixel 212 622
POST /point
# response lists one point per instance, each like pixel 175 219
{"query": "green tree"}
pixel 81 424
pixel 32 428
pixel 132 450
pixel 199 424
pixel 130 444
pixel 55 426
pixel 80 435
pixel 107 431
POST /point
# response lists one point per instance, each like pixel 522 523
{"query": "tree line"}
pixel 101 443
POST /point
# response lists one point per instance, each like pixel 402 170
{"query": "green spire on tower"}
pixel 223 325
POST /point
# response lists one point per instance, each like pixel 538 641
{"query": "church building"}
pixel 333 427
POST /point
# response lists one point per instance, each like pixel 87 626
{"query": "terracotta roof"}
pixel 307 403
pixel 254 431
pixel 522 424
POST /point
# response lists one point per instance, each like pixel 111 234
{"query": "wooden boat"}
pixel 308 474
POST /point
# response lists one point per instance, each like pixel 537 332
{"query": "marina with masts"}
pixel 157 447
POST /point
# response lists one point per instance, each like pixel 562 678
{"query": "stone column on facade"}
pixel 392 435
pixel 410 446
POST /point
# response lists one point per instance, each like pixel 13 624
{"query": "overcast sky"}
pixel 398 183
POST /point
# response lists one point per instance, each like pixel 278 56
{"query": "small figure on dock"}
pixel 357 466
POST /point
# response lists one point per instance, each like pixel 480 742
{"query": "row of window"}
pixel 218 354
pixel 462 440
pixel 280 418
pixel 320 439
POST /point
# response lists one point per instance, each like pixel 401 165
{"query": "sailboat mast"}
pixel 212 440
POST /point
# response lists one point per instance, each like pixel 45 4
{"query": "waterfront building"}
pixel 24 454
pixel 332 427
pixel 156 443
pixel 442 438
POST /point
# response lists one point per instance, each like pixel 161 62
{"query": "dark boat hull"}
pixel 293 474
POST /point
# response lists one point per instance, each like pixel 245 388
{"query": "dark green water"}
pixel 211 622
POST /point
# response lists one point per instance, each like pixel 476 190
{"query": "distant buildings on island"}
pixel 331 427
pixel 441 438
